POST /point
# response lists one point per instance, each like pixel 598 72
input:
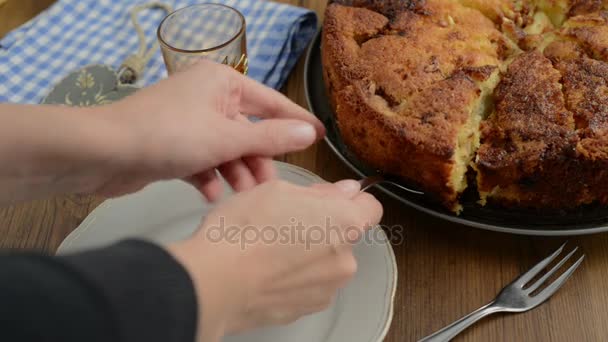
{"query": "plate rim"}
pixel 447 217
pixel 389 253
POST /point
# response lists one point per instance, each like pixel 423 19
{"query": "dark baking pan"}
pixel 585 220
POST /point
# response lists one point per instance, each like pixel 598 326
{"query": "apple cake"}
pixel 511 95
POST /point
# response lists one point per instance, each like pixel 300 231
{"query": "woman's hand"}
pixel 196 122
pixel 186 127
pixel 275 253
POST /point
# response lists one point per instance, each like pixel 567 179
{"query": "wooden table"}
pixel 445 270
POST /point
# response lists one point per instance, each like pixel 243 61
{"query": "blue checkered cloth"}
pixel 75 33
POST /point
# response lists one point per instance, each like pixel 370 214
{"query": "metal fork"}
pixel 368 182
pixel 515 297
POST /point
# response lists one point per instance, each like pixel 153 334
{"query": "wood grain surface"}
pixel 445 270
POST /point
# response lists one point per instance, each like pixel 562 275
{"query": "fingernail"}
pixel 349 186
pixel 303 133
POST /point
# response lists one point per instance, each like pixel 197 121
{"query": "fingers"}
pixel 359 209
pixel 264 102
pixel 346 189
pixel 358 213
pixel 268 138
pixel 349 186
pixel 238 175
pixel 244 174
pixel 314 308
pixel 261 168
pixel 305 299
pixel 361 212
pixel 288 307
pixel 369 209
pixel 334 271
pixel 257 99
pixel 351 202
pixel 209 184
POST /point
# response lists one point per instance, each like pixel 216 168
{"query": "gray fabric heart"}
pixel 91 86
pixel 96 85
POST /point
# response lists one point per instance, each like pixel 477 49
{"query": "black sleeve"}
pixel 132 291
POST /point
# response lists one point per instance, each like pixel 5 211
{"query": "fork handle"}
pixel 449 332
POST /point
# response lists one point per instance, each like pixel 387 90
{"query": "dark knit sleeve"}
pixel 131 291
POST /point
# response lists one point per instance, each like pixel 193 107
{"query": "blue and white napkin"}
pixel 75 33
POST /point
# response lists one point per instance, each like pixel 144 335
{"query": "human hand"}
pixel 195 121
pixel 246 280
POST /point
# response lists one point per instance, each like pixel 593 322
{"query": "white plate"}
pixel 170 211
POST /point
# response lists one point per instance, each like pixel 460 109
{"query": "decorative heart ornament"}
pixel 96 85
pixel 91 86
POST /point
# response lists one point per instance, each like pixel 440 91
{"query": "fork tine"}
pixel 526 277
pixel 550 290
pixel 544 278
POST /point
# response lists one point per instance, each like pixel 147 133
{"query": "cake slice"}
pixel 546 144
pixel 529 141
pixel 585 82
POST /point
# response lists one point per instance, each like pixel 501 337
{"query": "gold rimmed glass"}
pixel 212 31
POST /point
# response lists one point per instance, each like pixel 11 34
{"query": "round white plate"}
pixel 170 211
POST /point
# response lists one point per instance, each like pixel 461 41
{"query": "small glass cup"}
pixel 212 31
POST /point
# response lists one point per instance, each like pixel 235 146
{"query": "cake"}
pixel 511 95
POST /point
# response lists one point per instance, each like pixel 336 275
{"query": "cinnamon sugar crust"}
pixel 514 90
